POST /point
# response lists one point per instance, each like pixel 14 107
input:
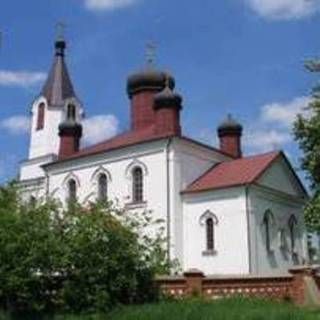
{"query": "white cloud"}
pixel 284 9
pixel 285 113
pixel 16 125
pixel 266 140
pixel 20 78
pixel 100 5
pixel 99 128
pixel 273 128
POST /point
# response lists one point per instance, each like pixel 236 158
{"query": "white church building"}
pixel 225 213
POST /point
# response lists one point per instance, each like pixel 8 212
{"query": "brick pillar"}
pixel 298 290
pixel 194 279
pixel 70 134
pixel 142 112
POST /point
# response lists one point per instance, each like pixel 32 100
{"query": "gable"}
pixel 280 176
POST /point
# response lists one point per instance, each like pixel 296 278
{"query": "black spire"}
pixel 58 86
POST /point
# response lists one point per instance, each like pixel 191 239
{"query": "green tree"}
pixel 79 259
pixel 307 133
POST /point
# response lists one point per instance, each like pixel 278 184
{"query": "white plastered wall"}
pixel 231 232
pixel 279 191
pixel 188 161
pixel 47 141
pixel 282 206
pixel 117 165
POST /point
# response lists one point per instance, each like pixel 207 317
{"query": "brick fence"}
pixel 295 286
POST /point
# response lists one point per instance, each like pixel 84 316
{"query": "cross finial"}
pixel 60 30
pixel 150 53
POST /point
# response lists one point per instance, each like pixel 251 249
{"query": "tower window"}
pixel 71 112
pixel 267 225
pixel 40 116
pixel 72 191
pixel 137 185
pixel 102 187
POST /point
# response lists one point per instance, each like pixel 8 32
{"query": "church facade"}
pixel 225 213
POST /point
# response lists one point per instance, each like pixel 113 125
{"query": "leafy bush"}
pixel 80 259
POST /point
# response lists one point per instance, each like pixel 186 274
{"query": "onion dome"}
pixel 167 98
pixel 70 128
pixel 148 79
pixel 230 127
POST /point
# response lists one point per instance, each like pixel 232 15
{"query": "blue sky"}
pixel 243 57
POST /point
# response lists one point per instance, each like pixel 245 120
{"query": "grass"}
pixel 232 309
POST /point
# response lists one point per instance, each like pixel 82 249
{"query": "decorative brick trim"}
pixel 194 282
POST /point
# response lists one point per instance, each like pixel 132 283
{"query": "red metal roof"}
pixel 233 173
pixel 126 139
pixel 122 140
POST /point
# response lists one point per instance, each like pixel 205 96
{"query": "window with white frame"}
pixel 137 185
pixel 102 187
pixel 72 191
pixel 40 116
pixel 209 221
pixel 71 112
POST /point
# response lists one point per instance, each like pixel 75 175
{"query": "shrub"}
pixel 79 259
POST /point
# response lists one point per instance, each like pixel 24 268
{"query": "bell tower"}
pixel 49 110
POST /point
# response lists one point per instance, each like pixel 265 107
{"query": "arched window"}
pixel 267 225
pixel 71 112
pixel 102 187
pixel 40 116
pixel 292 230
pixel 137 185
pixel 209 221
pixel 210 234
pixel 72 191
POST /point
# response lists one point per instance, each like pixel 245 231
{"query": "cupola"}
pixel 230 132
pixel 167 107
pixel 141 88
pixel 70 133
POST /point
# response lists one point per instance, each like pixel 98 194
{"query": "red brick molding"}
pixel 193 282
pixel 301 277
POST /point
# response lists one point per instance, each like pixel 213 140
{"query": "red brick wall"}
pixel 231 144
pixel 168 121
pixel 68 145
pixel 270 287
pixel 142 112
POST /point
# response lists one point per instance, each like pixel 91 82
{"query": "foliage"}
pixel 79 259
pixel 307 133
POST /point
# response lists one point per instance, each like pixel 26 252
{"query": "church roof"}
pixel 127 139
pixel 120 141
pixel 58 86
pixel 234 173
